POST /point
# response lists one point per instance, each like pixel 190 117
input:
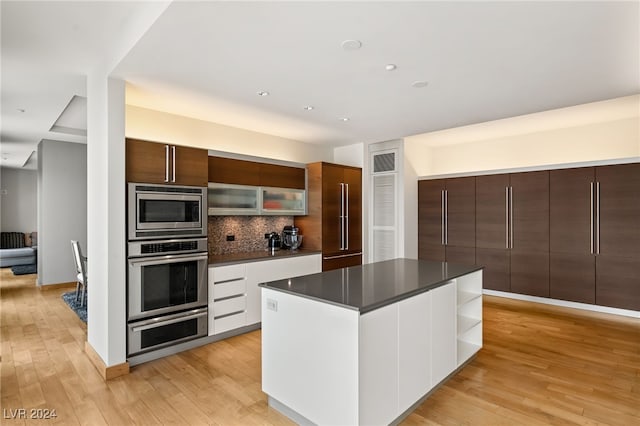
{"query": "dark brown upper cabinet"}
pixel 242 172
pixel 152 162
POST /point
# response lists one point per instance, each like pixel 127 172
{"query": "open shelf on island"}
pixel 467 323
pixel 465 297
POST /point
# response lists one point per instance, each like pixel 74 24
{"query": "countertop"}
pixel 256 256
pixel 371 286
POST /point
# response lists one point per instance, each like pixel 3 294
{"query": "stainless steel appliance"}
pixel 166 211
pixel 291 239
pixel 273 242
pixel 167 292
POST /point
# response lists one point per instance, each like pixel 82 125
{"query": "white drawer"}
pixel 229 272
pixel 228 306
pixel 221 325
pixel 229 288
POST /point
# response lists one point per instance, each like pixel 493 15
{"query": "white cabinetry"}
pixel 234 295
pixel 443 337
pixel 227 298
pixel 469 315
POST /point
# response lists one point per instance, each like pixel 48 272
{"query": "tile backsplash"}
pixel 248 232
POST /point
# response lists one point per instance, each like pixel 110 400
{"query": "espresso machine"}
pixel 291 239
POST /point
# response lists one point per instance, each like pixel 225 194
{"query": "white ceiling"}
pixel 482 60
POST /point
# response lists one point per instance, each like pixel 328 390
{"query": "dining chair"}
pixel 81 270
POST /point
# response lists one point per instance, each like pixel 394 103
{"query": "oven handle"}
pixel 171 258
pixel 172 319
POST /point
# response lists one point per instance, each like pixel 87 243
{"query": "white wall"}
pixel 62 208
pixel 591 132
pixel 18 201
pixel 142 123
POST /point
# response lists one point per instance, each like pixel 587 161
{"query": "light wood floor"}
pixel 540 365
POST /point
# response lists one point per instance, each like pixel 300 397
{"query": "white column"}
pixel 106 235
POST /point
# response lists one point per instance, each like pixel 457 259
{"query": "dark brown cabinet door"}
pixel 491 211
pixel 572 273
pixel 277 176
pixel 230 170
pixel 190 166
pixel 147 162
pixel 618 236
pixel 492 250
pixel 461 212
pixel 352 177
pixel 332 205
pixel 529 233
pixel 618 193
pixel 152 162
pixel 329 263
pixel 431 220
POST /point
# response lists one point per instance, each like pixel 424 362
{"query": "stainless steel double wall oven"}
pixel 166 266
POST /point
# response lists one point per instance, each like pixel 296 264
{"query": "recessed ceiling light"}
pixel 344 118
pixel 309 107
pixel 263 93
pixel 420 83
pixel 351 44
pixel 390 67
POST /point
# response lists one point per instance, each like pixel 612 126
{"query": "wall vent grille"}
pixel 384 162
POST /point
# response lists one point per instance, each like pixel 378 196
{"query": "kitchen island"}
pixel 366 344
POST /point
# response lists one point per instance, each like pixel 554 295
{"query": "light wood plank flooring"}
pixel 540 365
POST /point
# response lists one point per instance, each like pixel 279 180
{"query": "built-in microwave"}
pixel 166 211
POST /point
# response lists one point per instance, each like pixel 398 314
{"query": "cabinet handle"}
pixel 346 218
pixel 446 217
pixel 173 152
pixel 506 216
pixel 591 247
pixel 511 217
pixel 341 216
pixel 597 217
pixel 166 163
pixel 442 216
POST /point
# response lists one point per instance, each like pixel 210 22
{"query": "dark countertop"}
pixel 367 287
pixel 256 256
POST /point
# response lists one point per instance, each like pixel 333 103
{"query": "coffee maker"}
pixel 291 239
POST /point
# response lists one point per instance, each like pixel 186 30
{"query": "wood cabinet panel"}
pixel 572 276
pixel 461 212
pixel 617 283
pixel 619 210
pixel 191 166
pixel 332 177
pixel 341 262
pixel 282 176
pixel 570 208
pixel 152 162
pixel 497 268
pixel 464 255
pixel 491 211
pixel 430 237
pixel 146 162
pixel 530 211
pixel 232 171
pixel 352 177
pixel 530 273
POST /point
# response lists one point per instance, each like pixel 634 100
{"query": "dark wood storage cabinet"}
pixel 569 234
pixel 446 220
pixel 334 220
pixel 152 162
pixel 242 172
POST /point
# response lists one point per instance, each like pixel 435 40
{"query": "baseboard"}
pixel 107 373
pixel 57 286
pixel 564 303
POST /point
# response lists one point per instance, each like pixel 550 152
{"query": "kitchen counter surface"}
pixel 371 286
pixel 256 256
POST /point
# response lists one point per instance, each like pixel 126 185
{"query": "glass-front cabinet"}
pixel 283 201
pixel 228 199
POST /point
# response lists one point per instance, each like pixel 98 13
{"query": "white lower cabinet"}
pixel 234 295
pixel 443 335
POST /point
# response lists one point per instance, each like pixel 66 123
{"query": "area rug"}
pixel 24 269
pixel 70 299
